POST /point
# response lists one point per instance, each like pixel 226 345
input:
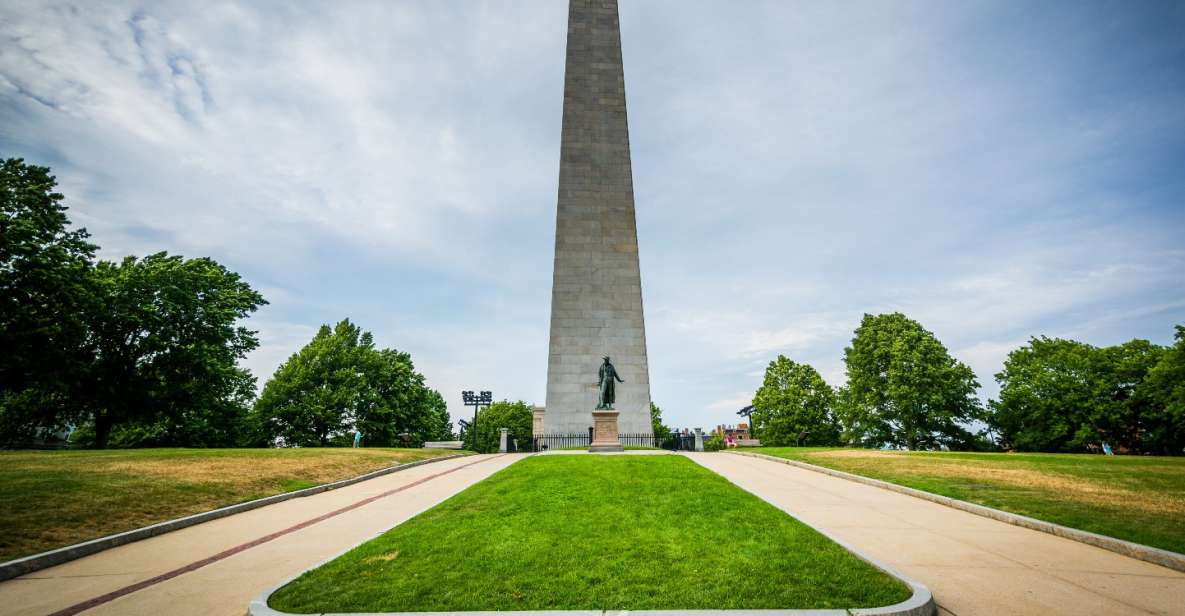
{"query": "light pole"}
pixel 477 401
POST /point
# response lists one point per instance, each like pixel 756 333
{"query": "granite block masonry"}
pixel 596 297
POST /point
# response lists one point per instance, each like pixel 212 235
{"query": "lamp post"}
pixel 477 401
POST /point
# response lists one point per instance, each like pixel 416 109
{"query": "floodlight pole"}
pixel 484 398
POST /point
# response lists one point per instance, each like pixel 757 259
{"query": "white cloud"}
pixel 733 404
pixel 331 120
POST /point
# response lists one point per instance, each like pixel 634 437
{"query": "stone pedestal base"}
pixel 605 434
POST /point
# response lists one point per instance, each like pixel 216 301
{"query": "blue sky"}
pixel 995 170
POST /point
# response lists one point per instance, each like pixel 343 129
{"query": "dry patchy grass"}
pixel 1073 487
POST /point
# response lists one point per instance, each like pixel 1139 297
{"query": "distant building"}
pixel 736 436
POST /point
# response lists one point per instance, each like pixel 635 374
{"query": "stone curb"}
pixel 1157 556
pixel 920 603
pixel 36 562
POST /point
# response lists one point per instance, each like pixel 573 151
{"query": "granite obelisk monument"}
pixel 596 296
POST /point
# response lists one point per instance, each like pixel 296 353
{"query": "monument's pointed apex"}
pixel 596 300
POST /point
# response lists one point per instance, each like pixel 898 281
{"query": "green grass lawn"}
pixel 1137 498
pixel 595 532
pixel 50 499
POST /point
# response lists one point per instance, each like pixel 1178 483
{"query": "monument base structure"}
pixel 605 434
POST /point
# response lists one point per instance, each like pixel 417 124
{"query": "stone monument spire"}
pixel 596 296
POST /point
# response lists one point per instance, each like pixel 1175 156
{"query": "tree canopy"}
pixel 904 388
pixel 1164 387
pixel 1056 395
pixel 164 342
pixel 45 291
pixel 340 382
pixel 149 345
pixel 794 406
pixel 1065 395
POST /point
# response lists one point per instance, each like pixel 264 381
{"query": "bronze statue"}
pixel 608 388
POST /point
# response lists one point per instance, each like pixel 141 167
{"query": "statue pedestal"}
pixel 605 434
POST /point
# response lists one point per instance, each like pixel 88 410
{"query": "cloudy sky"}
pixel 995 170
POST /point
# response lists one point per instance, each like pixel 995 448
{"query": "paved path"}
pixel 973 565
pixel 217 567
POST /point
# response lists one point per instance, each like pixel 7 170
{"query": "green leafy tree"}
pixel 163 343
pixel 314 395
pixel 45 293
pixel 905 389
pixel 516 417
pixel 340 382
pixel 1046 390
pixel 147 348
pixel 661 432
pixel 1164 388
pixel 1065 395
pixel 794 406
pixel 1124 411
pixel 849 417
pixel 396 407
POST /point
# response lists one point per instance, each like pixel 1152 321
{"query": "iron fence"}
pixel 548 442
pixel 637 440
pixel 679 442
pixel 581 440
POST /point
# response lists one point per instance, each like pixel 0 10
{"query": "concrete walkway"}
pixel 219 566
pixel 973 565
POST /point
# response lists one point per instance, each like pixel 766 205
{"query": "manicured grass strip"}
pixel 1135 498
pixel 595 532
pixel 49 499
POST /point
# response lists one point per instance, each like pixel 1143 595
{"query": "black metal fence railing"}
pixel 637 440
pixel 548 442
pixel 679 442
